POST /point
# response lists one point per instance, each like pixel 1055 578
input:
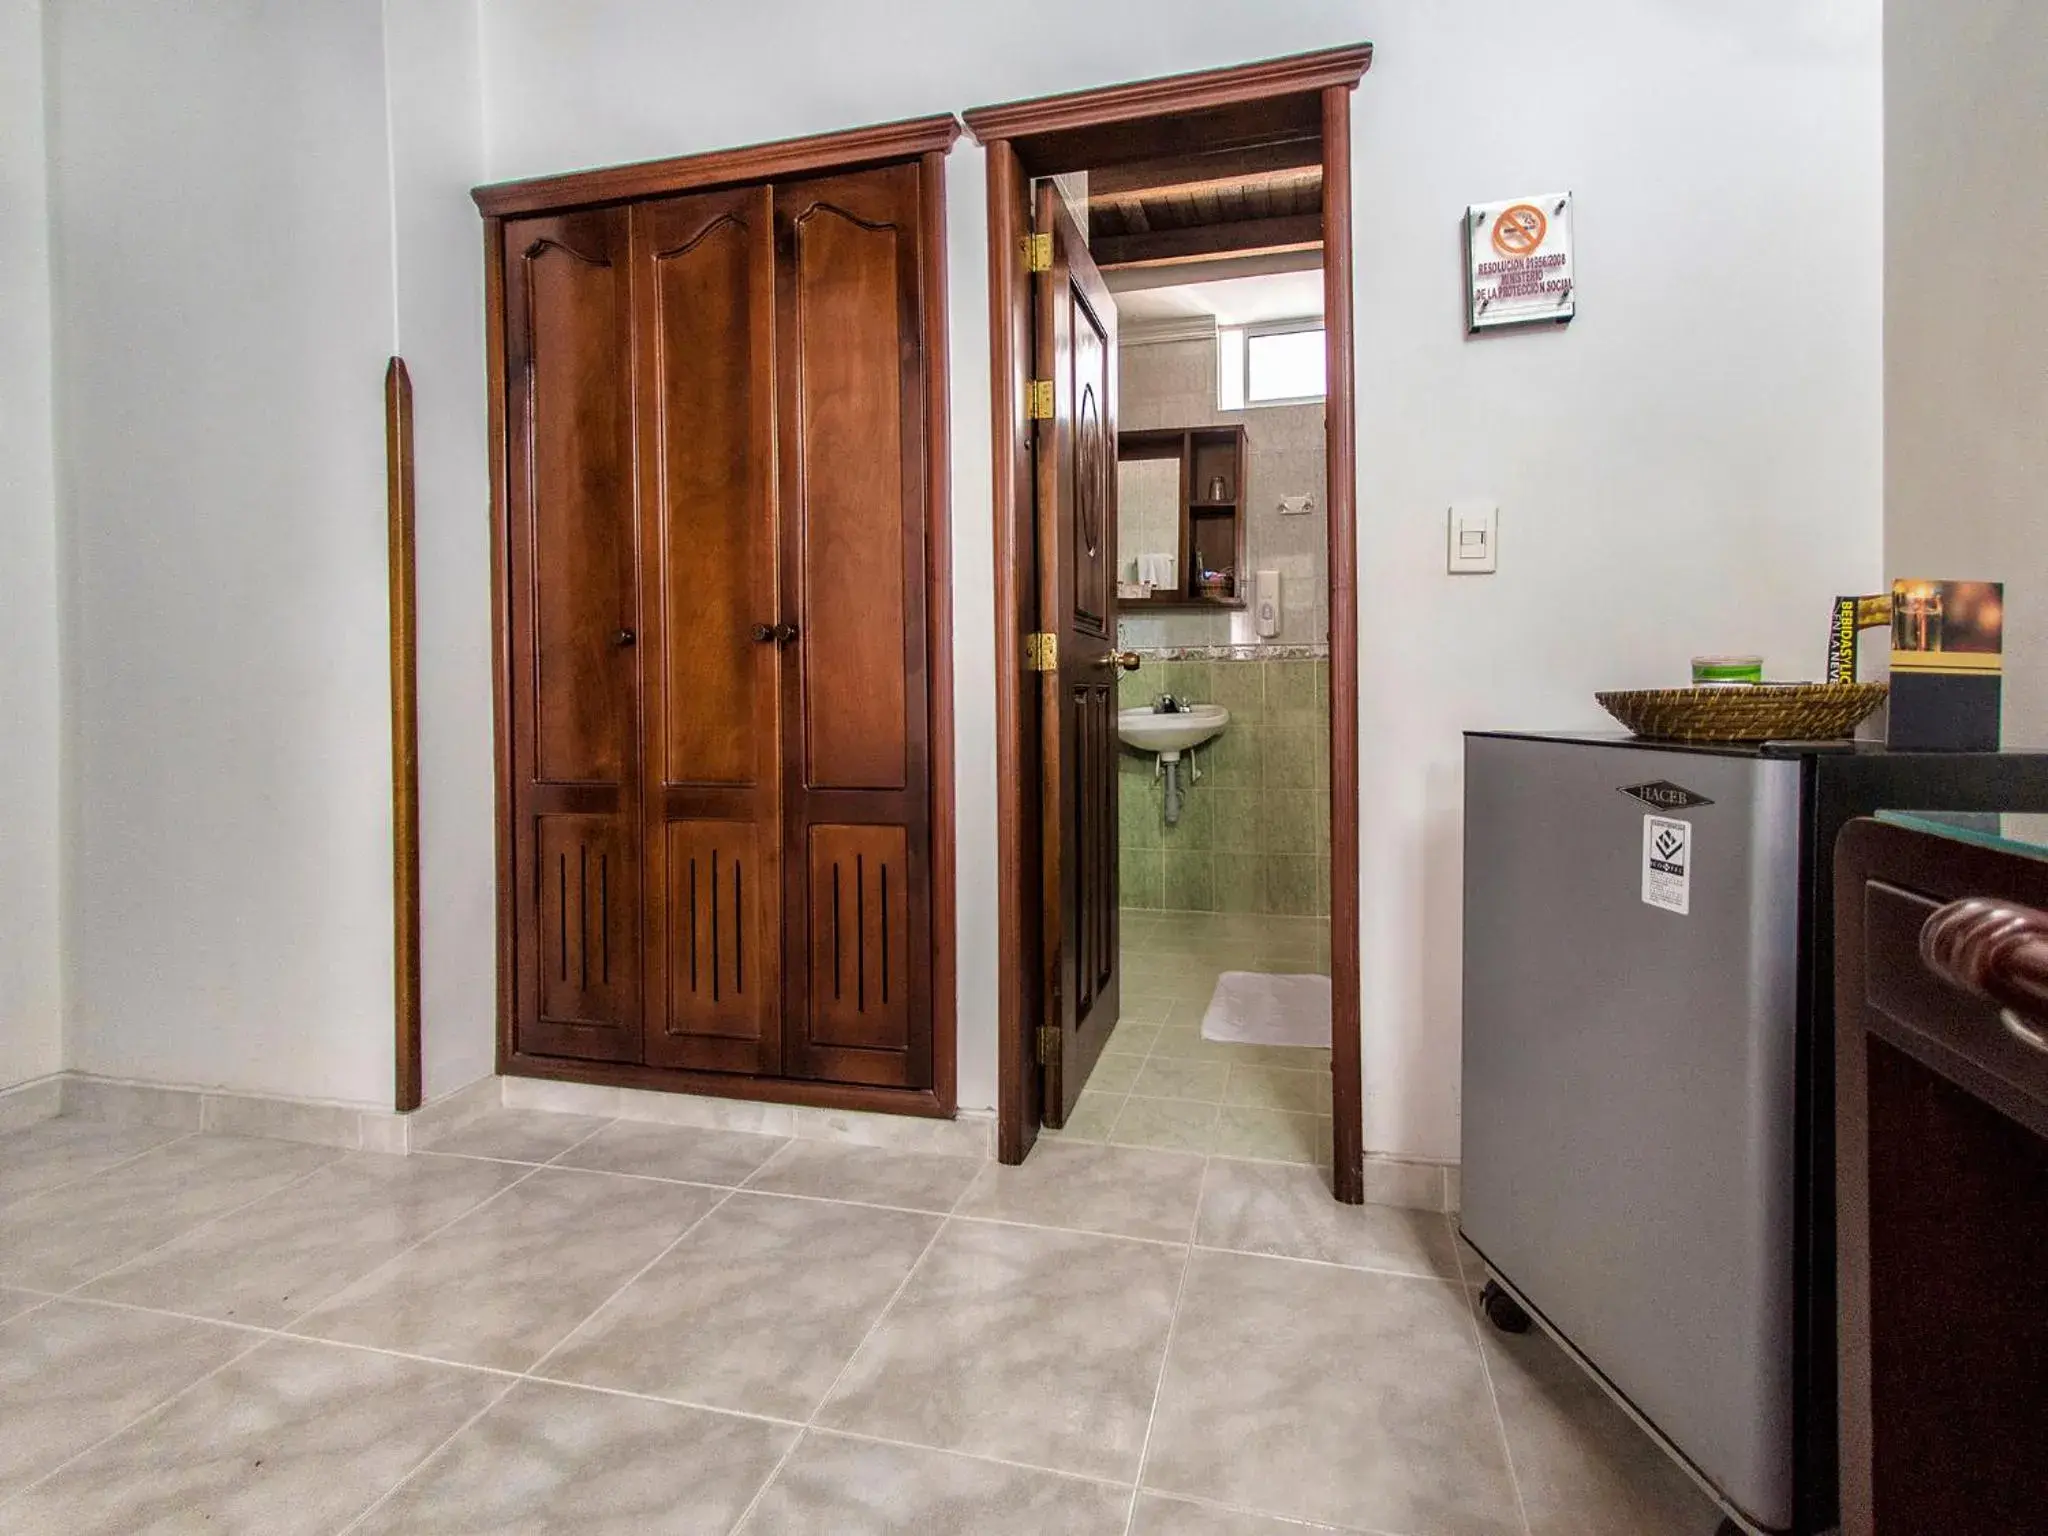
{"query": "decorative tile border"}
pixel 1233 652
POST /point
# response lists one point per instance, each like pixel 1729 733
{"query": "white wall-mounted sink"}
pixel 1170 735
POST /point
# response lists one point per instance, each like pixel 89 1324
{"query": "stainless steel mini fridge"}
pixel 1648 1156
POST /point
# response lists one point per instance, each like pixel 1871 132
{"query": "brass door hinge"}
pixel 1037 253
pixel 1041 653
pixel 1038 400
pixel 1048 1045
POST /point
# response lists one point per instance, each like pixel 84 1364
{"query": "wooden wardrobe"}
pixel 724 726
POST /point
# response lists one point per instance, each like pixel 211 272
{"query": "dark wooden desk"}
pixel 1942 1175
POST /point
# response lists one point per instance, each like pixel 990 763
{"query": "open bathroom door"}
pixel 1075 467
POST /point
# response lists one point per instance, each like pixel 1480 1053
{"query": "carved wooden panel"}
pixel 856 515
pixel 859 930
pixel 712 407
pixel 577 478
pixel 722 963
pixel 588 933
pixel 1094 461
pixel 1093 723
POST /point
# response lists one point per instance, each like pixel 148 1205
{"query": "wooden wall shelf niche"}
pixel 1210 529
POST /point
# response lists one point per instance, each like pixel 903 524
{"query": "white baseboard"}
pixel 1412 1183
pixel 25 1104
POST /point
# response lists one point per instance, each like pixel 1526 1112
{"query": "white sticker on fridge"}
pixel 1667 864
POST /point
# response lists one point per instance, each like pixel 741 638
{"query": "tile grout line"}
pixel 457 1433
pixel 1180 1292
pixel 824 1398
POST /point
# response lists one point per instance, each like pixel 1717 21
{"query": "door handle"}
pixel 1996 950
pixel 785 634
pixel 764 633
pixel 624 638
pixel 1128 660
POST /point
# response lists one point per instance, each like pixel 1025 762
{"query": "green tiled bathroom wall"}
pixel 1254 833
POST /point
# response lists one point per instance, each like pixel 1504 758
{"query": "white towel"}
pixel 1156 570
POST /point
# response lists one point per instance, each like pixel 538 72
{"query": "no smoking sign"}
pixel 1518 262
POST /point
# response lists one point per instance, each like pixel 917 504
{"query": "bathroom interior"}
pixel 1223 595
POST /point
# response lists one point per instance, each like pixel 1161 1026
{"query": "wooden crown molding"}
pixel 1293 75
pixel 902 140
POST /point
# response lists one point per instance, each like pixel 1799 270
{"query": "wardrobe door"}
pixel 850 349
pixel 574 731
pixel 704 291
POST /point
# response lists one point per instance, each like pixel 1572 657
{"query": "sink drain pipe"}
pixel 1169 765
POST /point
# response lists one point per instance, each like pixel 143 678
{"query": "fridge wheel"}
pixel 1502 1310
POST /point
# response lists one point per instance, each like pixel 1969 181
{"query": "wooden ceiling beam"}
pixel 1216 168
pixel 1201 242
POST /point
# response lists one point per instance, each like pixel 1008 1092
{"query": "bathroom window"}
pixel 1277 364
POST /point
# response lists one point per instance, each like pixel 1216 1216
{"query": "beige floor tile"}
pixel 560 1461
pixel 1273 1208
pixel 1271 1134
pixel 1178 1125
pixel 14 1303
pixel 1142 1008
pixel 1176 1077
pixel 1187 1044
pixel 758 1310
pixel 506 1283
pixel 684 1152
pixel 1123 1190
pixel 1093 1118
pixel 831 1170
pixel 273 1261
pixel 66 1236
pixel 1131 1040
pixel 1399 1436
pixel 1020 1343
pixel 62 1151
pixel 1161 1516
pixel 72 1374
pixel 294 1438
pixel 1114 1074
pixel 1302 1093
pixel 839 1486
pixel 517 1135
pixel 1584 1467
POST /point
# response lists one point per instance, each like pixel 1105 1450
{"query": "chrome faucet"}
pixel 1167 704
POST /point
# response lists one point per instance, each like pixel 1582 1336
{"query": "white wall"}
pixel 1966 308
pixel 434 78
pixel 31 1018
pixel 1693 465
pixel 221 214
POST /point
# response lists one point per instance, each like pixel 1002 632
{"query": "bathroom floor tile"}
pixel 1273 1208
pixel 1170 1077
pixel 1345 1396
pixel 1160 1516
pixel 839 1486
pixel 1129 1039
pixel 71 1374
pixel 1302 1093
pixel 66 1236
pixel 1127 1191
pixel 275 1260
pixel 1019 1343
pixel 1093 1118
pixel 508 1282
pixel 758 1310
pixel 293 1438
pixel 1272 1134
pixel 560 1461
pixel 1171 1124
pixel 517 1135
pixel 64 1150
pixel 684 1152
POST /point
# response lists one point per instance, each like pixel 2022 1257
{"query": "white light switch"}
pixel 1474 537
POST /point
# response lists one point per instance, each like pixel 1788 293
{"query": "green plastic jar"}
pixel 1726 671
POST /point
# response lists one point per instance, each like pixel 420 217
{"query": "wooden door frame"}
pixel 926 141
pixel 1058 133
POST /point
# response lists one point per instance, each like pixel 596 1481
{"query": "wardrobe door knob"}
pixel 785 633
pixel 624 638
pixel 764 633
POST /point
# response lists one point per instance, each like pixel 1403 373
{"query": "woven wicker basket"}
pixel 1766 712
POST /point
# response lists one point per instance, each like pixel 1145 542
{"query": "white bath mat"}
pixel 1252 1008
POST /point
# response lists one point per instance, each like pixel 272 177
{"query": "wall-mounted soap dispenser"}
pixel 1266 604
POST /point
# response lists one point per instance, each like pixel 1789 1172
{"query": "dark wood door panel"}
pixel 573 722
pixel 723 950
pixel 860 962
pixel 854 512
pixel 587 940
pixel 704 293
pixel 1074 463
